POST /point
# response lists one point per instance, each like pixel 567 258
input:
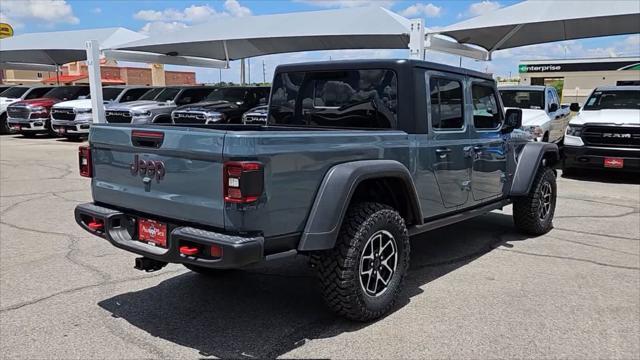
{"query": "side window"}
pixel 486 113
pixel 446 104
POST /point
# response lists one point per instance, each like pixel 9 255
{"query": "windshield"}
pixel 167 94
pixel 110 94
pixel 613 99
pixel 523 99
pixel 14 92
pixel 227 94
pixel 67 92
pixel 151 94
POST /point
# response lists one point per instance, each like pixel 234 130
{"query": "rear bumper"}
pixel 68 127
pixel 592 157
pixel 120 229
pixel 31 125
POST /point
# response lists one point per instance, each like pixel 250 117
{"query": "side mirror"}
pixel 575 107
pixel 513 120
pixel 553 107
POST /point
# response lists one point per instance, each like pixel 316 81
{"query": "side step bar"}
pixel 452 219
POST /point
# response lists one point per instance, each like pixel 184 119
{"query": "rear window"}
pixel 523 99
pixel 613 99
pixel 335 99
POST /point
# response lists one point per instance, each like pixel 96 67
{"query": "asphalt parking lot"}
pixel 475 290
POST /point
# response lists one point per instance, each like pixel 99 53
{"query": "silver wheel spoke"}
pixel 378 263
pixel 384 263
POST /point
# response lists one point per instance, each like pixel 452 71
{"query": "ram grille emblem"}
pixel 615 135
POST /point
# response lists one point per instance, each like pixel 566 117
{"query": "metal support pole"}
pixel 416 40
pixel 242 72
pixel 95 81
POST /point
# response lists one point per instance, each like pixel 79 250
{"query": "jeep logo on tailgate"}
pixel 150 168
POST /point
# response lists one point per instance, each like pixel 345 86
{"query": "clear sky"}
pixel 156 17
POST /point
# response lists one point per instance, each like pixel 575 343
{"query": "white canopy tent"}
pixel 239 38
pixel 48 51
pixel 61 47
pixel 535 22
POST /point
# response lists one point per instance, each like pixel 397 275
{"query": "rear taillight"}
pixel 243 181
pixel 84 161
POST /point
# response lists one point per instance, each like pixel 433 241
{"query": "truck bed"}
pixel 295 161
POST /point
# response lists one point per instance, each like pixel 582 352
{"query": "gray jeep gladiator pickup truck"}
pixel 356 157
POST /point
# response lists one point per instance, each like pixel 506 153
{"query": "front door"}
pixel 449 138
pixel 489 146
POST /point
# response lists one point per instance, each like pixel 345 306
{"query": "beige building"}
pixel 579 77
pixel 25 77
pixel 112 74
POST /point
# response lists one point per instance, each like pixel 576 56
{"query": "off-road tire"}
pixel 527 209
pixel 209 272
pixel 338 269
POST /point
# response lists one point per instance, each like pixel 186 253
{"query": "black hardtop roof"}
pixel 394 64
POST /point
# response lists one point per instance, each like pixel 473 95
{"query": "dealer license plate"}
pixel 152 232
pixel 615 163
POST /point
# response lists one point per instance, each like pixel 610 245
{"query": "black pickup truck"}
pixel 224 105
pixel 355 158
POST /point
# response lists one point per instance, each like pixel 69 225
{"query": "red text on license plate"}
pixel 153 232
pixel 616 163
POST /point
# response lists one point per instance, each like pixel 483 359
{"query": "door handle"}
pixel 442 152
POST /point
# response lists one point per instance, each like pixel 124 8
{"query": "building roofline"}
pixel 580 60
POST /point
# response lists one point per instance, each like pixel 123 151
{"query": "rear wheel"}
pixel 362 276
pixel 533 214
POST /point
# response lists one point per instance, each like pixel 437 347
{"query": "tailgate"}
pixel 183 176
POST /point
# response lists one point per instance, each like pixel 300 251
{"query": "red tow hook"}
pixel 188 250
pixel 96 224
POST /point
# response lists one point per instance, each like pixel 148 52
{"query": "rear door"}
pixel 449 136
pixel 488 145
pixel 165 172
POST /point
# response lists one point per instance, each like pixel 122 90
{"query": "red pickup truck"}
pixel 31 117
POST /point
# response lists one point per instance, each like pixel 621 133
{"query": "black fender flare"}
pixel 335 193
pixel 529 161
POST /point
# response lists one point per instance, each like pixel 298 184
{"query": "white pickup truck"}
pixel 542 115
pixel 606 132
pixel 14 94
pixel 72 119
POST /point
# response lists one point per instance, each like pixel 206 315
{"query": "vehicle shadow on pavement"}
pixel 269 310
pixel 603 176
